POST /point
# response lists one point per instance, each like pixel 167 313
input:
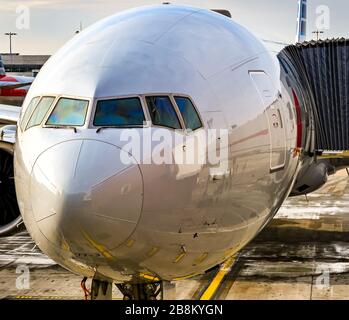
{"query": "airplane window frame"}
pixel 55 104
pixel 175 96
pixel 148 120
pixel 93 114
pixel 175 109
pixel 93 108
pixel 23 123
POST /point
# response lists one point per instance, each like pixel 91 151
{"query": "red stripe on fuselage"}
pixel 299 120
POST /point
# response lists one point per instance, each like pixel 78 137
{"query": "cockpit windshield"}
pixel 124 112
pixel 68 112
pixel 40 111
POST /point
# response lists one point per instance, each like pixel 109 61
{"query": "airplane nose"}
pixel 84 195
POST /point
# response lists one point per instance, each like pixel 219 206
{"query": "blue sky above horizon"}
pixel 54 22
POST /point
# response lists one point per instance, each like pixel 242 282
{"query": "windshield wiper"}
pixel 101 128
pixel 118 127
pixel 64 127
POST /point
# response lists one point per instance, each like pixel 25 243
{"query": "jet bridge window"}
pixel 189 113
pixel 40 111
pixel 68 112
pixel 162 112
pixel 124 112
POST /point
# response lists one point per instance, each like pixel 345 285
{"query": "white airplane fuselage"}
pixel 95 215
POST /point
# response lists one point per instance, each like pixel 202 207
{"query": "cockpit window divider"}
pixel 179 115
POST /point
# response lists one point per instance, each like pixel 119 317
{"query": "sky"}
pixel 54 22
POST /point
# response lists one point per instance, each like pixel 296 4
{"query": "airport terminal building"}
pixel 23 64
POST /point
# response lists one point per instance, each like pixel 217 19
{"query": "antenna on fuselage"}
pixel 302 21
pixel 223 12
pixel 80 28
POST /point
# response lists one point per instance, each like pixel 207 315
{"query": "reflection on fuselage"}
pixel 119 220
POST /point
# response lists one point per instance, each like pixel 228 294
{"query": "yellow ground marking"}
pixel 217 280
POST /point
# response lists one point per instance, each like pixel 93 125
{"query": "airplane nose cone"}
pixel 84 195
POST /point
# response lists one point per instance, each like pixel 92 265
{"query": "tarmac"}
pixel 302 255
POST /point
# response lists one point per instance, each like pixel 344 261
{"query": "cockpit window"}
pixel 68 112
pixel 189 113
pixel 40 111
pixel 162 112
pixel 28 112
pixel 119 113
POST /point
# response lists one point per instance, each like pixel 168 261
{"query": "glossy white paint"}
pixel 92 214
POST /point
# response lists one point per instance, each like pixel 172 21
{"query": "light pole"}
pixel 10 34
pixel 317 32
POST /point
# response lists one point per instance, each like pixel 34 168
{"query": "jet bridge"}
pixel 320 72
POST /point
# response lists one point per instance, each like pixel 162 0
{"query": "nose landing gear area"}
pixel 102 290
pixel 144 291
pixel 299 256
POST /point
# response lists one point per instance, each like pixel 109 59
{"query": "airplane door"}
pixel 278 138
pixel 269 96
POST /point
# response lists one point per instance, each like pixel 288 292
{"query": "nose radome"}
pixel 84 195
